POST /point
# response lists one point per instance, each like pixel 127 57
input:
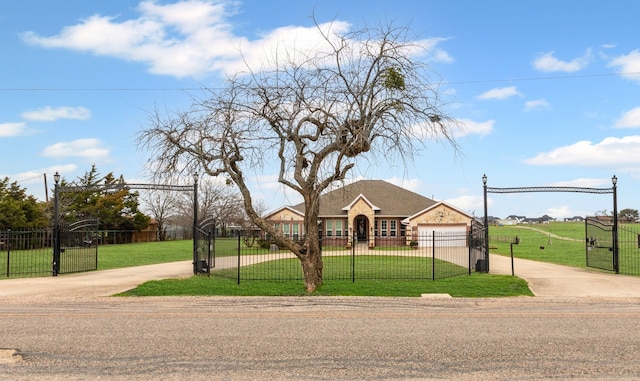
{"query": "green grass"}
pixel 536 244
pixel 468 286
pixel 140 254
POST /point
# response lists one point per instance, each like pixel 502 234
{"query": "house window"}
pixel 383 227
pixel 338 228
pixel 329 228
pixel 296 231
pixel 403 230
pixel 285 227
pixel 375 227
pixel 393 228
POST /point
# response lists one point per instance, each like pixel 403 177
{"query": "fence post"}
pixel 239 259
pixel 56 226
pixel 7 241
pixel 433 255
pixel 353 259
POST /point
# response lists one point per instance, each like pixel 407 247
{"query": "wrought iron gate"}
pixel 76 247
pixel 600 239
pixel 205 256
pixel 477 245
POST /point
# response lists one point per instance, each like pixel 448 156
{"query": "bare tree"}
pixel 364 94
pixel 219 202
pixel 161 205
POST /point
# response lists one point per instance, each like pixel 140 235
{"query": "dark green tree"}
pixel 103 197
pixel 17 209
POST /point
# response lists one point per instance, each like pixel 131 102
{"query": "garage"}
pixel 449 235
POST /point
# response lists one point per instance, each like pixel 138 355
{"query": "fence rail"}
pixel 26 252
pixel 435 256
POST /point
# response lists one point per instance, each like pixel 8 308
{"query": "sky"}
pixel 548 91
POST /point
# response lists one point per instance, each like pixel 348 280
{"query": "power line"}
pixel 540 78
pixel 461 82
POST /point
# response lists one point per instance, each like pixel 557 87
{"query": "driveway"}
pixel 545 280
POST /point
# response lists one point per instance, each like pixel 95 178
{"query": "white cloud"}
pixel 47 114
pixel 195 38
pixel 609 152
pixel 500 93
pixel 86 148
pixel 629 65
pixel 471 127
pixel 412 185
pixel 535 104
pixel 630 119
pixel 583 183
pixel 548 63
pixel 459 129
pixel 12 129
pixel 473 205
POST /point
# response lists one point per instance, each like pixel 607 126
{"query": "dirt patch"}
pixel 9 356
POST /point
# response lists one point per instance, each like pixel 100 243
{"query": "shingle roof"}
pixel 391 199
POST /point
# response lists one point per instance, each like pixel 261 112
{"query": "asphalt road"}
pixel 79 333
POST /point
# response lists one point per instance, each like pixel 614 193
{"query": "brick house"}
pixel 373 212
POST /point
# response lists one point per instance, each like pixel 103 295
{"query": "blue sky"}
pixel 548 90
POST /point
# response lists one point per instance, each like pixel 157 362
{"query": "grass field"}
pixel 563 243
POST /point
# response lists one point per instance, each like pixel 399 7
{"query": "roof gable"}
pixel 282 210
pixel 434 207
pixel 355 201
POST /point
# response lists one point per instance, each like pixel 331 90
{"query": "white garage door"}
pixel 449 236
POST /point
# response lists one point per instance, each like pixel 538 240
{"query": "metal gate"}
pixel 477 245
pixel 600 239
pixel 205 241
pixel 76 247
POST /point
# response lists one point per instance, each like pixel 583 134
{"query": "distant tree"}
pixel 628 215
pixel 17 209
pixel 365 94
pixel 161 205
pixel 116 208
pixel 217 202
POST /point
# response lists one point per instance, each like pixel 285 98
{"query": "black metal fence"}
pixel 26 252
pixel 599 241
pixel 32 252
pixel 436 255
pixel 629 249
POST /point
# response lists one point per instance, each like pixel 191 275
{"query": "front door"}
pixel 361 228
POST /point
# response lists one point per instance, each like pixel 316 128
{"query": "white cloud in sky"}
pixel 536 105
pixel 611 151
pixel 87 148
pixel 500 93
pixel 473 205
pixel 583 183
pixel 194 38
pixel 48 114
pixel 630 119
pixel 463 127
pixel 628 65
pixel 412 185
pixel 547 62
pixel 471 127
pixel 12 129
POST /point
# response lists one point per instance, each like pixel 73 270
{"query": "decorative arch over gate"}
pixel 167 187
pixel 612 190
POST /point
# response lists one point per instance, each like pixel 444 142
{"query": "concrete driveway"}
pixel 545 280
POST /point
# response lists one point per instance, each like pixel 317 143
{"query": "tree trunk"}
pixel 312 260
pixel 312 268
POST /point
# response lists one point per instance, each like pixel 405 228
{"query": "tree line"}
pixel 97 196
